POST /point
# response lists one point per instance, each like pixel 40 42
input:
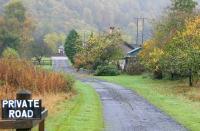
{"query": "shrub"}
pixel 19 74
pixel 10 53
pixel 110 70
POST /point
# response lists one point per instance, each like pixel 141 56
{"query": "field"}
pixel 83 112
pixel 173 97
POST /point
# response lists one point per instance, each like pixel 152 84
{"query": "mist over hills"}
pixel 92 15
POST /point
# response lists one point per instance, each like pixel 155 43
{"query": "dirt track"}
pixel 124 110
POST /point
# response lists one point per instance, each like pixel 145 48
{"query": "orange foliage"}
pixel 20 74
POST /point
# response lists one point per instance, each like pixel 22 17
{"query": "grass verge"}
pixel 170 96
pixel 82 113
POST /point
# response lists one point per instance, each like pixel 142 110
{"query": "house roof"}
pixel 126 47
pixel 129 45
pixel 134 52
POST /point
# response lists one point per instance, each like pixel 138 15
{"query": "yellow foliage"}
pixel 151 54
pixel 192 27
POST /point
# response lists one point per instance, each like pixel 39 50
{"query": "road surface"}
pixel 124 110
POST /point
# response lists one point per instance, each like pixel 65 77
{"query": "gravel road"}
pixel 124 110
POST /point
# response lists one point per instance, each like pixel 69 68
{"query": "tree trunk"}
pixel 158 74
pixel 190 78
pixel 172 76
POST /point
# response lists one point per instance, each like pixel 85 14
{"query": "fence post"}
pixel 23 95
pixel 42 125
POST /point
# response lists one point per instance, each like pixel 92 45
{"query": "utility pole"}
pixel 140 41
pixel 142 31
pixel 137 39
pixel 139 19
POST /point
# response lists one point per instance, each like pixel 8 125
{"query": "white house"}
pixel 61 50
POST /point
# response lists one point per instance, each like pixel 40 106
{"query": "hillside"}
pixel 63 15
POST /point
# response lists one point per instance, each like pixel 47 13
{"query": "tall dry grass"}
pixel 51 87
pixel 20 74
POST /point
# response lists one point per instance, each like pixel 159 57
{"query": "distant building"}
pixel 61 50
pixel 130 52
pixel 134 52
pixel 130 55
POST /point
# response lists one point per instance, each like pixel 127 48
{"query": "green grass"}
pixel 82 113
pixel 159 93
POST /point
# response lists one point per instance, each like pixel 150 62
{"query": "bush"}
pixel 110 70
pixel 10 53
pixel 19 74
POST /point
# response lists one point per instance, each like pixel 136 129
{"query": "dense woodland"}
pixel 92 15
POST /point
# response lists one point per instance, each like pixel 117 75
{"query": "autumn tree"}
pixel 100 51
pixel 174 20
pixel 183 51
pixel 161 48
pixel 16 28
pixel 150 57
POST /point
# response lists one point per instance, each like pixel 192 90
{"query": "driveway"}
pixel 124 109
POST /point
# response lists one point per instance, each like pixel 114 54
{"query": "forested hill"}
pixel 63 15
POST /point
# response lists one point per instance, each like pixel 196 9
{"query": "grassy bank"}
pixel 82 113
pixel 173 97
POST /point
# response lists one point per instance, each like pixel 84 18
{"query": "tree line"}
pixel 174 50
pixel 18 37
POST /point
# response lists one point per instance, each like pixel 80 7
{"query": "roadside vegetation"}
pixel 99 53
pixel 173 97
pixel 16 74
pixel 81 113
pixel 174 49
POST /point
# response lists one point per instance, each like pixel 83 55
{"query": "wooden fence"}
pixel 42 62
pixel 25 125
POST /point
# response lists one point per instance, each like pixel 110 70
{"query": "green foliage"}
pixel 109 70
pixel 15 28
pixel 8 39
pixel 72 45
pixel 54 40
pixel 112 51
pixel 39 50
pixel 183 5
pixel 182 52
pixel 70 81
pixel 10 53
pixel 15 10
